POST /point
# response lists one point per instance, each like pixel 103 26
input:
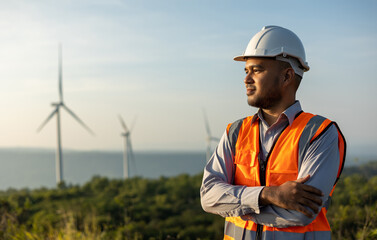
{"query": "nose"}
pixel 248 79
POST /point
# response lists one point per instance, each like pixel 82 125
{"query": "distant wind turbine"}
pixel 128 154
pixel 209 137
pixel 57 106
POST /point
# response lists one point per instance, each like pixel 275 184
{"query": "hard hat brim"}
pixel 240 58
pixel 243 58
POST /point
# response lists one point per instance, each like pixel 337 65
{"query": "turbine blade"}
pixel 48 119
pixel 60 74
pixel 215 139
pixel 123 123
pixel 208 152
pixel 78 119
pixel 206 123
pixel 133 124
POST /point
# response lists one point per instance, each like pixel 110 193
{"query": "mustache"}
pixel 250 86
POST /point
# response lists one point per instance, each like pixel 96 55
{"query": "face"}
pixel 262 81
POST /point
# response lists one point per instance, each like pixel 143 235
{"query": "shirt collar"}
pixel 290 113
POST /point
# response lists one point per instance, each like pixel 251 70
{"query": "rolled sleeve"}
pixel 250 198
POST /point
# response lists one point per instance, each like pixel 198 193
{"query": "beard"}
pixel 268 99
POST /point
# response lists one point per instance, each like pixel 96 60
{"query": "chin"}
pixel 251 102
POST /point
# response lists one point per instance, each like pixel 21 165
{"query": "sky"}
pixel 159 64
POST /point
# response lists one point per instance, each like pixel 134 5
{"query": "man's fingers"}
pixel 304 211
pixel 308 203
pixel 312 196
pixel 315 199
pixel 309 188
pixel 303 180
pixel 312 190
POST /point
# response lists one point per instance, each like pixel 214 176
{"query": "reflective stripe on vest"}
pixel 294 140
pixel 242 233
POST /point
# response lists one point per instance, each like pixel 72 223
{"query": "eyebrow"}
pixel 254 66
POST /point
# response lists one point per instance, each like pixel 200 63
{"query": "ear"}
pixel 289 75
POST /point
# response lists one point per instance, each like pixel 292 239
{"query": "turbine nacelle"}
pixel 57 104
pixel 125 134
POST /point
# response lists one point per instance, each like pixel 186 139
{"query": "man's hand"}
pixel 293 195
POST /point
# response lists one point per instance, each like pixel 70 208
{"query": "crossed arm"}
pixel 294 203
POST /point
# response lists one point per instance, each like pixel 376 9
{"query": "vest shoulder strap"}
pixel 314 129
pixel 233 130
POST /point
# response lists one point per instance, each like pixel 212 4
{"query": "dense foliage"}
pixel 353 211
pixel 165 208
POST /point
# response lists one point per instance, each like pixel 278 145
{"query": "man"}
pixel 273 173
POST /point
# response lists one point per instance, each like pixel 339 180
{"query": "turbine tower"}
pixel 128 154
pixel 57 106
pixel 209 137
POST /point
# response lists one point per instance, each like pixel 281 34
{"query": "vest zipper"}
pixel 262 171
pixel 259 232
pixel 262 175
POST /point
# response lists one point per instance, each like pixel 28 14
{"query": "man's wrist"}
pixel 264 196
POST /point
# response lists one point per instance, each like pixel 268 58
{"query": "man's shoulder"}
pixel 239 121
pixel 233 130
pixel 320 127
pixel 313 116
pixel 237 124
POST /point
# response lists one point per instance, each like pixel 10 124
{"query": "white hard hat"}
pixel 274 41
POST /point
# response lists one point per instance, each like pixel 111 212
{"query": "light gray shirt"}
pixel 220 196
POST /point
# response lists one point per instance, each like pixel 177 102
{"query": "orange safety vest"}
pixel 282 164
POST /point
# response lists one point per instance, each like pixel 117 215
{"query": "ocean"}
pixel 35 168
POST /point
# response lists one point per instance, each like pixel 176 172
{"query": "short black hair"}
pixel 285 65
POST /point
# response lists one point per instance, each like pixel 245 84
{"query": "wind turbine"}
pixel 128 154
pixel 56 111
pixel 209 137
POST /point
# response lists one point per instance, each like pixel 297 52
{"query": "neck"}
pixel 270 117
pixel 272 114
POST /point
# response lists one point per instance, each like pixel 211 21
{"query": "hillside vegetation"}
pixel 165 208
